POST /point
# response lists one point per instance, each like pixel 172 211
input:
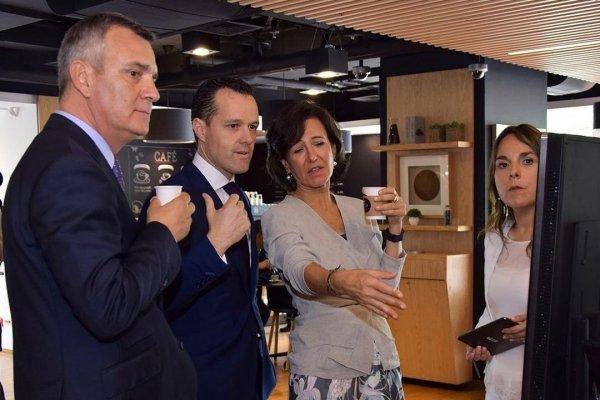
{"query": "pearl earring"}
pixel 288 177
pixel 334 163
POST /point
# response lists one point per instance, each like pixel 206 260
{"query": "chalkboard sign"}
pixel 146 165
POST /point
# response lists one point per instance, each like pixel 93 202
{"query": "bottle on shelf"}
pixel 419 136
pixel 394 135
pixel 447 215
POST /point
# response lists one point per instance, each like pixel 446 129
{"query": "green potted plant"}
pixel 414 214
pixel 454 131
pixel 437 133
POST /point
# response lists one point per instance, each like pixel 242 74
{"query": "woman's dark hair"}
pixel 500 212
pixel 287 130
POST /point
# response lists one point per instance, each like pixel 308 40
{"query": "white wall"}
pixel 7 337
pixel 16 132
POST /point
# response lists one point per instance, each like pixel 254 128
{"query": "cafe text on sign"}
pixel 165 156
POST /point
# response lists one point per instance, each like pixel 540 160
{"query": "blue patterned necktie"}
pixel 118 173
pixel 232 188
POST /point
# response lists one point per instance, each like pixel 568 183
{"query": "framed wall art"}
pixel 424 183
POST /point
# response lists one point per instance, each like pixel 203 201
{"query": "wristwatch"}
pixel 393 238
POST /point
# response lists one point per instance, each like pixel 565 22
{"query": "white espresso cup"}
pixel 369 194
pixel 167 193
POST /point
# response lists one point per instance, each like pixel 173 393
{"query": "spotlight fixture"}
pixel 327 62
pixel 199 44
pixel 13 111
pixel 360 71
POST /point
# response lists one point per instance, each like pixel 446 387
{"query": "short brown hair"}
pixel 203 104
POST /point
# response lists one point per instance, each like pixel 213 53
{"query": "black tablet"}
pixel 490 336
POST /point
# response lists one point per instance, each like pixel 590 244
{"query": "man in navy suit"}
pixel 211 305
pixel 82 276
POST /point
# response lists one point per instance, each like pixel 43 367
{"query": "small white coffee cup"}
pixel 369 194
pixel 167 193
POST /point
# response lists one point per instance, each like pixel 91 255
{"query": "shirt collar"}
pixel 94 135
pixel 214 177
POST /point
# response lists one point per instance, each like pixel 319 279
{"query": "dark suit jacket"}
pixel 212 307
pixel 83 279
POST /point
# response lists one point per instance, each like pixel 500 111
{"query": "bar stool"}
pixel 279 302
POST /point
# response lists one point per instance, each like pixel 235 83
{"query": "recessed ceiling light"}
pixel 312 92
pixel 199 44
pixel 201 52
pixel 328 74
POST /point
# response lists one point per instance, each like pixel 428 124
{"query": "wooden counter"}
pixel 438 292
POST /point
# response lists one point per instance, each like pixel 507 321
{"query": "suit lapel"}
pixel 253 257
pixel 234 254
pixel 79 138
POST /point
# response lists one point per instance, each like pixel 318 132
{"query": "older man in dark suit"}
pixel 82 277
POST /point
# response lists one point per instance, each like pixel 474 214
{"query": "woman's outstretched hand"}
pixel 368 288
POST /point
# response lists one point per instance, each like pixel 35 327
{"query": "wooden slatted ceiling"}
pixel 490 28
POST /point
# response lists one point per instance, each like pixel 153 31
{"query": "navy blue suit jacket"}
pixel 83 279
pixel 212 307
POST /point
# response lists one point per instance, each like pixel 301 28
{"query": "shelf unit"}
pixel 423 146
pixel 437 280
pixel 438 228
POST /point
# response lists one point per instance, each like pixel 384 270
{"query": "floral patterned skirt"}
pixel 379 385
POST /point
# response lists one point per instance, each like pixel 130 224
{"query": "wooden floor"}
pixel 414 390
pixel 6 374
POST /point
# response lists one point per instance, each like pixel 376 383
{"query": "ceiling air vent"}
pixel 228 28
pixel 367 99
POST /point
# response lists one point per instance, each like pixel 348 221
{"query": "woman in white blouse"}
pixel 513 182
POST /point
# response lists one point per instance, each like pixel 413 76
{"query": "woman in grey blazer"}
pixel 343 284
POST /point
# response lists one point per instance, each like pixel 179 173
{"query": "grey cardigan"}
pixel 333 336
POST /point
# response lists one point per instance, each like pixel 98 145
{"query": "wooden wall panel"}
pixel 437 96
pixel 438 278
pixel 46 106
